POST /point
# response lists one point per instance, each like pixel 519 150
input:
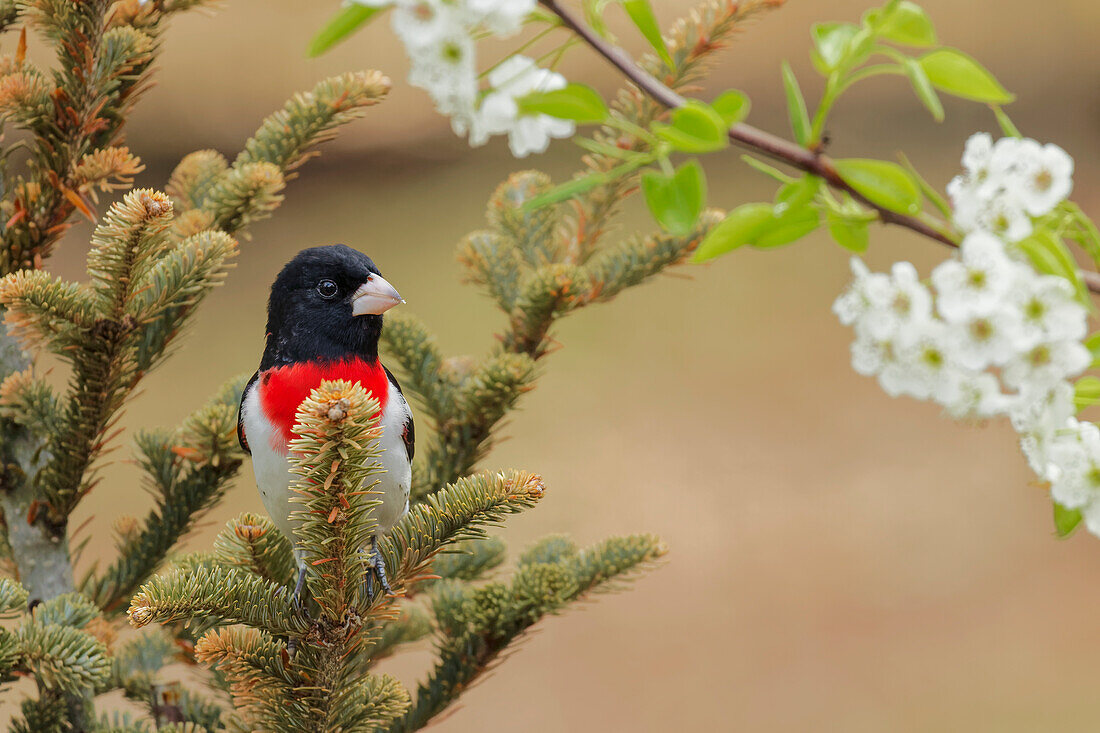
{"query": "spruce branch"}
pixel 245 194
pixel 534 233
pixel 220 595
pixel 9 14
pixel 692 43
pixel 512 261
pixel 492 264
pixel 412 624
pixel 236 195
pixel 477 625
pixel 13 597
pixel 195 177
pixel 486 395
pixel 469 560
pixel 637 259
pixel 29 400
pixel 40 309
pixel 101 72
pixel 335 457
pixel 252 542
pixel 71 609
pixel 62 658
pixel 106 170
pixel 262 685
pixel 457 512
pixel 551 549
pixel 417 356
pixel 188 472
pixel 308 119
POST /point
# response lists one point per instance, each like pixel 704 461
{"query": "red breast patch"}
pixel 283 388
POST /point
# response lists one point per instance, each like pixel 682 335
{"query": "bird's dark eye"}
pixel 328 289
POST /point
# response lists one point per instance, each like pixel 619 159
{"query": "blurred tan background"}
pixel 839 560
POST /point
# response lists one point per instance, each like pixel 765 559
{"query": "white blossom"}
pixel 871 355
pixel 439 38
pixel 976 282
pixel 500 113
pixel 985 340
pixel 906 305
pixel 1075 450
pixel 867 291
pixel 1008 182
pixel 502 17
pixel 1048 308
pixel 421 24
pixel 1003 214
pixel 446 69
pixel 977 157
pixel 1037 415
pixel 973 394
pixel 922 366
pixel 1045 178
pixel 992 336
pixel 1047 364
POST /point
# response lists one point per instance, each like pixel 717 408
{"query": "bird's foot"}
pixel 296 598
pixel 376 566
pixel 299 607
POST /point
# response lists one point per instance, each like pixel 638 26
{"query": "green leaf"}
pixel 1049 254
pixel 1086 392
pixel 923 88
pixel 1065 520
pixel 832 42
pixel 1092 343
pixel 641 13
pixel 1007 127
pixel 570 189
pixel 792 226
pixel 796 194
pixel 852 234
pixel 952 71
pixel 732 106
pixel 677 200
pixel 882 183
pixel 796 106
pixel 601 148
pixel 926 188
pixel 768 170
pixel 695 128
pixel 741 226
pixel 593 13
pixel 908 25
pixel 342 25
pixel 765 226
pixel 575 102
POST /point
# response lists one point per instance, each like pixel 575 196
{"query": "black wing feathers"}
pixel 408 434
pixel 240 415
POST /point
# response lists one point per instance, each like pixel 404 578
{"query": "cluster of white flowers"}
pixel 439 36
pixel 989 335
pixel 1008 182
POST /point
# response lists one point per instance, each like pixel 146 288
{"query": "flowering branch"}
pixel 811 160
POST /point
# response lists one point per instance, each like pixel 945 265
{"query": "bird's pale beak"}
pixel 374 297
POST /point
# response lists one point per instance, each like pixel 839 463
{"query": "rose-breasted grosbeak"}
pixel 324 319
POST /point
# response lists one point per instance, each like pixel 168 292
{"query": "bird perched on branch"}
pixel 324 318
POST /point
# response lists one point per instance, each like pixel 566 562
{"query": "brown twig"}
pixel 754 138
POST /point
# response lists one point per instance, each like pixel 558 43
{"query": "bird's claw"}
pixel 296 601
pixel 296 598
pixel 376 566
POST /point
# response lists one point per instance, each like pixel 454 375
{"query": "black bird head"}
pixel 327 303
